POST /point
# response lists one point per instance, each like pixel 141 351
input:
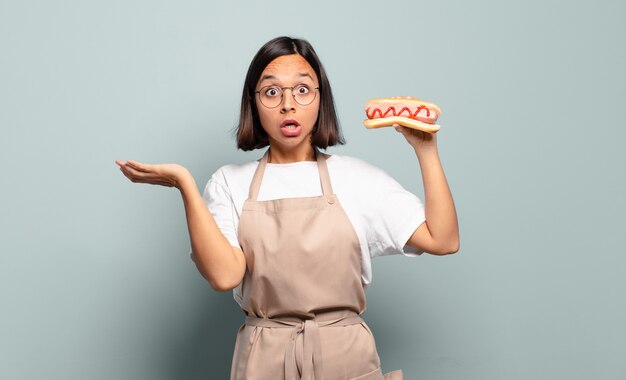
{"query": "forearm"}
pixel 217 260
pixel 441 216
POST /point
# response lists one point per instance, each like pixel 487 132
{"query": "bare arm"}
pixel 217 260
pixel 439 235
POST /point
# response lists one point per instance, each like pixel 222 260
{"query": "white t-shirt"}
pixel 383 214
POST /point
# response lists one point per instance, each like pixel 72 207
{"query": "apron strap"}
pixel 258 177
pixel 327 189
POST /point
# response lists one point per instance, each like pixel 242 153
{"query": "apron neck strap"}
pixel 327 189
pixel 260 170
pixel 253 192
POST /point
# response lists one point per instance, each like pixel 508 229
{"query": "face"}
pixel 288 125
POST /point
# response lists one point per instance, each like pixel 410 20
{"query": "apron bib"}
pixel 302 291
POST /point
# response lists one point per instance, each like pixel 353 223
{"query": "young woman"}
pixel 293 233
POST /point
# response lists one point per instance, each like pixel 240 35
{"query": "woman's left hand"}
pixel 422 142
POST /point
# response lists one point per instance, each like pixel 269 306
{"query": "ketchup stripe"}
pixel 393 109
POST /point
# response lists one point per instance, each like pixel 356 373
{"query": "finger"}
pixel 132 177
pixel 144 177
pixel 139 178
pixel 133 164
pixel 127 169
pixel 136 179
pixel 139 166
pixel 127 175
pixel 132 174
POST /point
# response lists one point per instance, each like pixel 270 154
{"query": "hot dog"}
pixel 404 110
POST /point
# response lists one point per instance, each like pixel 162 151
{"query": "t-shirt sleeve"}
pixel 397 213
pixel 220 203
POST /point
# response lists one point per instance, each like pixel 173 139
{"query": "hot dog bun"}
pixel 404 121
pixel 403 110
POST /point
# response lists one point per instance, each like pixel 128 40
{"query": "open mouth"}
pixel 290 128
pixel 290 124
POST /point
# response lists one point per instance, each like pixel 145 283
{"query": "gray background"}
pixel 95 277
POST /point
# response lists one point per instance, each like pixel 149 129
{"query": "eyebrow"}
pixel 300 75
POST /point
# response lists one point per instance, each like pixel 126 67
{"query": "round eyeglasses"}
pixel 272 96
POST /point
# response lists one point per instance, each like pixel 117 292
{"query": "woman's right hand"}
pixel 170 175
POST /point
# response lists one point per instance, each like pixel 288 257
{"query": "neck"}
pixel 278 156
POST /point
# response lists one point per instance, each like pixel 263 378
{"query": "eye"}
pixel 272 91
pixel 302 89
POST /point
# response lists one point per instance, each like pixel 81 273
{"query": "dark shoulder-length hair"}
pixel 250 133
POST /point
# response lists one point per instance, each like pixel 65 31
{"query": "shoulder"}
pixel 230 181
pixel 234 174
pixel 371 180
pixel 356 180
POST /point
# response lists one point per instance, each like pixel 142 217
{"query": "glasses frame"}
pixel 282 95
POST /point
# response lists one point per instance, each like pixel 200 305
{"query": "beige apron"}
pixel 302 291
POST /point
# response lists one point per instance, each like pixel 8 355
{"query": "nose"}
pixel 288 100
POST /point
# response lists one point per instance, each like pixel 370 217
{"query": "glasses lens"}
pixel 271 96
pixel 304 95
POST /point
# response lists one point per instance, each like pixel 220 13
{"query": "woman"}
pixel 293 233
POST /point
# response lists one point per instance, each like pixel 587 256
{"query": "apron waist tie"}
pixel 309 328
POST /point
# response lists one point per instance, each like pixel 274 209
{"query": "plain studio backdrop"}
pixel 95 276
